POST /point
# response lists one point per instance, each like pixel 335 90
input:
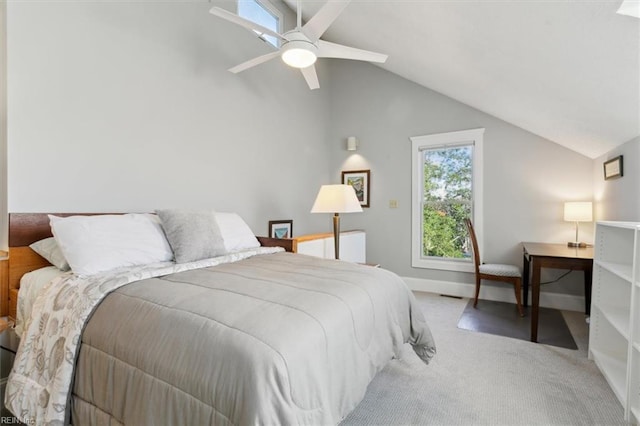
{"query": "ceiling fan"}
pixel 302 46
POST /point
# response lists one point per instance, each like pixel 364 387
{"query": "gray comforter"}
pixel 272 339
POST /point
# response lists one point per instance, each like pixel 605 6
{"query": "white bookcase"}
pixel 614 335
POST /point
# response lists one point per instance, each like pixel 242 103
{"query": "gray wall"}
pixel 128 106
pixel 526 178
pixel 619 199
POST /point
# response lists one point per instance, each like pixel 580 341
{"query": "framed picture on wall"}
pixel 281 228
pixel 359 179
pixel 613 168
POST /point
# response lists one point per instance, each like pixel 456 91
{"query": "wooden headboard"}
pixel 27 228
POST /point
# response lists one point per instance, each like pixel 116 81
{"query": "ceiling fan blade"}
pixel 333 50
pixel 232 17
pixel 318 24
pixel 311 77
pixel 253 62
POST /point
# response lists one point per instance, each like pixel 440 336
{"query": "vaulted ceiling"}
pixel 568 71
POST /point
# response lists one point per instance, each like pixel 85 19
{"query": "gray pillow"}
pixel 193 235
pixel 50 250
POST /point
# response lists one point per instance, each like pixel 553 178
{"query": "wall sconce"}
pixel 352 143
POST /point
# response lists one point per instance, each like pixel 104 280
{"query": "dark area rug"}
pixel 502 319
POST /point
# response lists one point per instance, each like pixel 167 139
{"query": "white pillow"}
pixel 93 244
pixel 50 250
pixel 235 232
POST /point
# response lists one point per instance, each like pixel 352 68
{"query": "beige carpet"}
pixel 482 379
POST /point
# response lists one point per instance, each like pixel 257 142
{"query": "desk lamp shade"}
pixel 578 211
pixel 336 199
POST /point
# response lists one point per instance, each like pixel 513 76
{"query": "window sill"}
pixel 446 265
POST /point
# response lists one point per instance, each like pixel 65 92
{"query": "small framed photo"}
pixel 281 228
pixel 359 179
pixel 613 168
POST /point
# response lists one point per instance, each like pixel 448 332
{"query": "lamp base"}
pixel 576 244
pixel 336 235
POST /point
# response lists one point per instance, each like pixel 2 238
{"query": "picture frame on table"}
pixel 281 229
pixel 360 180
pixel 613 168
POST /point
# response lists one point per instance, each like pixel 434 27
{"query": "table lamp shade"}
pixel 336 199
pixel 580 211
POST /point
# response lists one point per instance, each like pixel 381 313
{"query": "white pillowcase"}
pixel 50 250
pixel 94 244
pixel 235 232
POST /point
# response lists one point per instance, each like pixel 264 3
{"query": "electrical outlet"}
pixel 393 204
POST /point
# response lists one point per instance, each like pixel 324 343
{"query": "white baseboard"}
pixel 566 302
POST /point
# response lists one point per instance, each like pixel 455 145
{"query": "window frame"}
pixel 269 8
pixel 418 144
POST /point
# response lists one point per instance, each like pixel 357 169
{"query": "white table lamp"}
pixel 578 211
pixel 336 199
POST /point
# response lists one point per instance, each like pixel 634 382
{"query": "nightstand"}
pixel 352 243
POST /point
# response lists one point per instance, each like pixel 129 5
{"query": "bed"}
pixel 257 336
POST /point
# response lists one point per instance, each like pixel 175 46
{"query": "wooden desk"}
pixel 559 256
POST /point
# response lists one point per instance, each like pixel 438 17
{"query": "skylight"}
pixel 630 8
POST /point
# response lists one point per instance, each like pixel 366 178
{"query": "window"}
pixel 264 13
pixel 446 189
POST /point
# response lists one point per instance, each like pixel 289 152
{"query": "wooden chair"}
pixel 494 272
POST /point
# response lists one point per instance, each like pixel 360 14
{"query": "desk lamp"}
pixel 578 211
pixel 336 199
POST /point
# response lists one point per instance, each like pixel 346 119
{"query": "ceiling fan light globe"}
pixel 299 58
pixel 299 54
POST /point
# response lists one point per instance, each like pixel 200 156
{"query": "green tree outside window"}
pixel 447 201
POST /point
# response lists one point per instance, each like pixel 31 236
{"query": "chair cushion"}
pixel 500 270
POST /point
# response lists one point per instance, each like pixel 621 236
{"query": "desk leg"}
pixel 587 290
pixel 535 298
pixel 525 281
